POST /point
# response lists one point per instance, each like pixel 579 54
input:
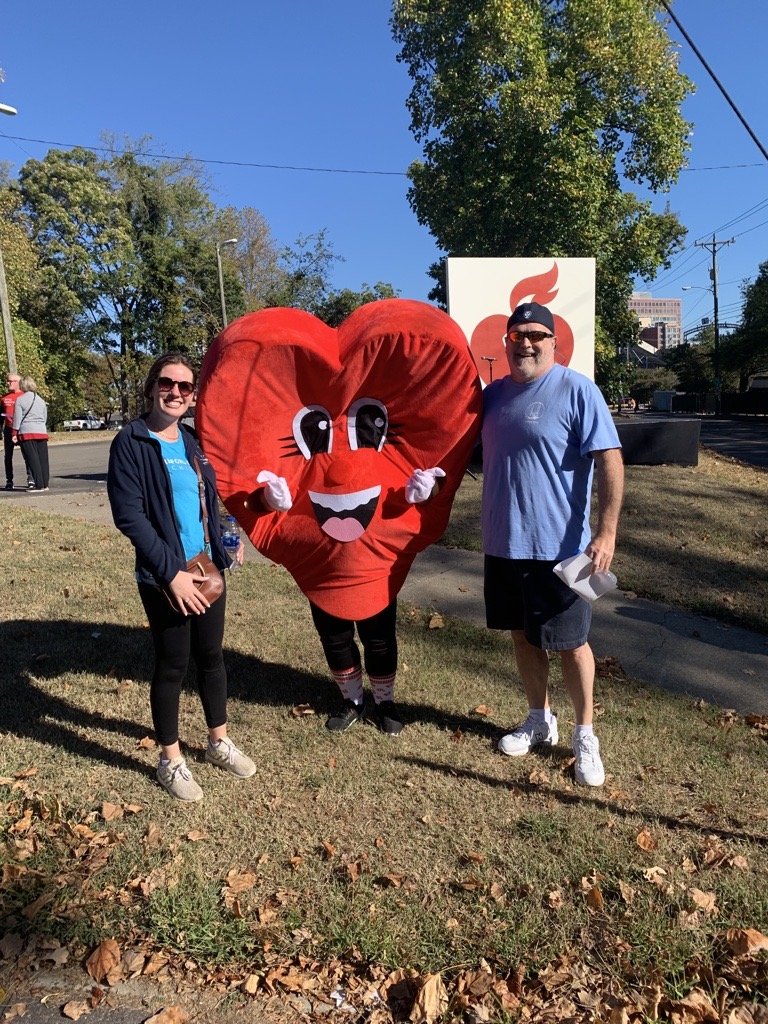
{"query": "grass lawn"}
pixel 427 868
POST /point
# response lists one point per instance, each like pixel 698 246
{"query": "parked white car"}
pixel 87 422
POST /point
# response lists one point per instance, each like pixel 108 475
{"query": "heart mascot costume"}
pixel 339 452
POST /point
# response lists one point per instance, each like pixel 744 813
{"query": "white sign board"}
pixel 482 292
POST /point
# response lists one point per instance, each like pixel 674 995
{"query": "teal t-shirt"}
pixel 186 498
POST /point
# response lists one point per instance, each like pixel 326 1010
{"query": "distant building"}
pixel 661 320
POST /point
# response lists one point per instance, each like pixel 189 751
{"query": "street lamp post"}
pixel 5 309
pixel 219 247
pixel 490 360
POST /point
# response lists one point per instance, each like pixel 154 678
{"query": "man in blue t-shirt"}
pixel 544 428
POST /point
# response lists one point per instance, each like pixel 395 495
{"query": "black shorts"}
pixel 525 594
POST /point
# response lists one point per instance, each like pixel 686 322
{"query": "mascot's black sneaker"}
pixel 346 718
pixel 386 716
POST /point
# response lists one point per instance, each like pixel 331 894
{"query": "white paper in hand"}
pixel 576 572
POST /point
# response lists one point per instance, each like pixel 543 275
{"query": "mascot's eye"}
pixel 313 430
pixel 367 424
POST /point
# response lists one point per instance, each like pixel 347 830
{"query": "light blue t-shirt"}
pixel 186 496
pixel 537 466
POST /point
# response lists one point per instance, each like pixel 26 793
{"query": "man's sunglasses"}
pixel 529 336
pixel 167 384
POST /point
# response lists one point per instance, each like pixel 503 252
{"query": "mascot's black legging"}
pixel 377 635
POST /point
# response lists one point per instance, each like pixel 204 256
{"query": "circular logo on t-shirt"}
pixel 534 411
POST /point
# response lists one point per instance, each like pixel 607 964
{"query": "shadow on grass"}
pixel 583 796
pixel 35 651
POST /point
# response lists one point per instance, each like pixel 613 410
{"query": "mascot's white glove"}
pixel 421 484
pixel 276 492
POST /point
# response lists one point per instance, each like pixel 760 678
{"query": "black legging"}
pixel 8 449
pixel 377 635
pixel 175 636
pixel 36 457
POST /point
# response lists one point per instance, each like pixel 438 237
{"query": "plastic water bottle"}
pixel 230 537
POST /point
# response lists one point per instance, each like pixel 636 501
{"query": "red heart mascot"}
pixel 339 452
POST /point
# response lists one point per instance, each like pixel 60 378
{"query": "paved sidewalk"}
pixel 654 643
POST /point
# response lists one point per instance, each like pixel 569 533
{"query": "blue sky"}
pixel 313 83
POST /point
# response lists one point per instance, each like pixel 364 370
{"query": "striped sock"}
pixel 350 682
pixel 383 687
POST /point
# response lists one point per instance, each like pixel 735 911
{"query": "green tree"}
pixel 657 378
pixel 303 282
pixel 21 271
pixel 692 363
pixel 254 263
pixel 745 352
pixel 128 262
pixel 531 115
pixel 304 270
pixel 339 304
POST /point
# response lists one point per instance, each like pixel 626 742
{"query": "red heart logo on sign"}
pixel 345 416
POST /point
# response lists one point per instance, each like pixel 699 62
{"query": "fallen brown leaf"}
pixel 645 840
pixel 75 1009
pixel 17 1010
pixel 436 621
pixel 595 898
pixel 302 710
pixel 171 1015
pixel 705 901
pixel 555 899
pixel 240 881
pixel 431 1001
pixel 104 963
pixel 745 941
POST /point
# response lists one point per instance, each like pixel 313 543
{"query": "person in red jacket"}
pixel 8 405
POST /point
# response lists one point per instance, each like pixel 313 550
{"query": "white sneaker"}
pixel 530 734
pixel 588 769
pixel 176 779
pixel 225 754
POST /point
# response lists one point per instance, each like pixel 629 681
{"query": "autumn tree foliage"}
pixel 545 125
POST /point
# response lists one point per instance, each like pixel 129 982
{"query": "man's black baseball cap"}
pixel 531 313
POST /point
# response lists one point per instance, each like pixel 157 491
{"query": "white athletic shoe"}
pixel 530 734
pixel 588 769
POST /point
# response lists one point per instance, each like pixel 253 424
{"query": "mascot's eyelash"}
pixel 291 448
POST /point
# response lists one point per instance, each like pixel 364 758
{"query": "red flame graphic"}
pixel 487 339
pixel 540 288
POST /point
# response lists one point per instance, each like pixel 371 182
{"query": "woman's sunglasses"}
pixel 167 384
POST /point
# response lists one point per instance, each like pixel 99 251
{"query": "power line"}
pixel 715 79
pixel 201 160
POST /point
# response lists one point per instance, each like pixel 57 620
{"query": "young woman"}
pixel 153 490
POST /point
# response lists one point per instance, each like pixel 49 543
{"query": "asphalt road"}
pixel 76 466
pixel 745 439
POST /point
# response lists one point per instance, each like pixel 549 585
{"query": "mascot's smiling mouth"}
pixel 345 517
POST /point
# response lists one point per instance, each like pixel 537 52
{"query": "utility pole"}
pixel 712 247
pixel 5 308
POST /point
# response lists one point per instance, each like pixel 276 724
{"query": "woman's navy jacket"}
pixel 139 490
